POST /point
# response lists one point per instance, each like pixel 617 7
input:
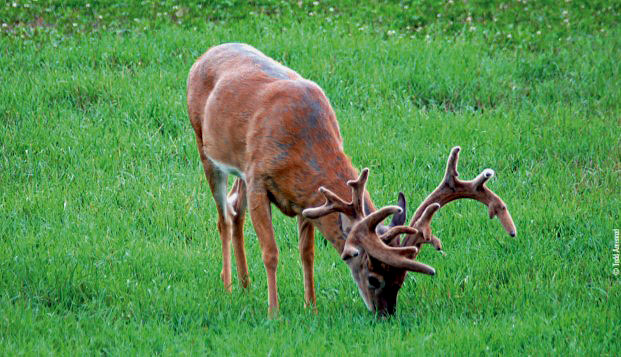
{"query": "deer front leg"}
pixel 307 254
pixel 261 216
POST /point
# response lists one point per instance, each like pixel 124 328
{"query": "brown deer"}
pixel 277 132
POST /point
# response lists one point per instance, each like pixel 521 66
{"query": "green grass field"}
pixel 108 240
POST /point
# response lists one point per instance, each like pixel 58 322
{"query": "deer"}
pixel 262 122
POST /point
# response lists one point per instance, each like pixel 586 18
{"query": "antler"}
pixel 423 227
pixel 357 190
pixel 363 233
pixel 334 203
pixel 451 188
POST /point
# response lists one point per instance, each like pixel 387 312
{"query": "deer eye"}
pixel 375 281
pixel 349 252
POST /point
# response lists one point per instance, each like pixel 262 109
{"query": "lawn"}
pixel 108 240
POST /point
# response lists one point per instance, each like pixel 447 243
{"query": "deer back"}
pixel 254 114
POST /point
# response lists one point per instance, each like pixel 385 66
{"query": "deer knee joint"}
pixel 270 259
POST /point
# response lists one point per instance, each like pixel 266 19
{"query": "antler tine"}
pixel 480 180
pixel 401 258
pixel 333 204
pixel 417 267
pixel 450 174
pixel 423 225
pixel 451 188
pixel 357 191
pixel 395 231
pixel 425 218
pixel 375 218
pixel 417 240
pixel 398 257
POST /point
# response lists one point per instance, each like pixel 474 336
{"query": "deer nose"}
pixel 387 312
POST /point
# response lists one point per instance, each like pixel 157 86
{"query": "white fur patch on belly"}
pixel 229 170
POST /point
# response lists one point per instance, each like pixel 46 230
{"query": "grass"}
pixel 108 240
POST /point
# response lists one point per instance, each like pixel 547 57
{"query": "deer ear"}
pixel 398 219
pixel 381 229
pixel 345 223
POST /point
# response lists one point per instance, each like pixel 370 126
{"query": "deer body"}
pixel 277 132
pixel 259 120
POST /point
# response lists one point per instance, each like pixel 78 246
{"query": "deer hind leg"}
pixel 237 200
pixel 307 254
pixel 261 215
pixel 217 183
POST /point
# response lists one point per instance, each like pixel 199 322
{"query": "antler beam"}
pixel 451 188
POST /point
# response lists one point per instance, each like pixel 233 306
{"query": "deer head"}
pixel 378 268
pixel 376 255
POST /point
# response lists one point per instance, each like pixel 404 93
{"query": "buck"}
pixel 277 132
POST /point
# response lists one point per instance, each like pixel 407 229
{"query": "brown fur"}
pixel 280 133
